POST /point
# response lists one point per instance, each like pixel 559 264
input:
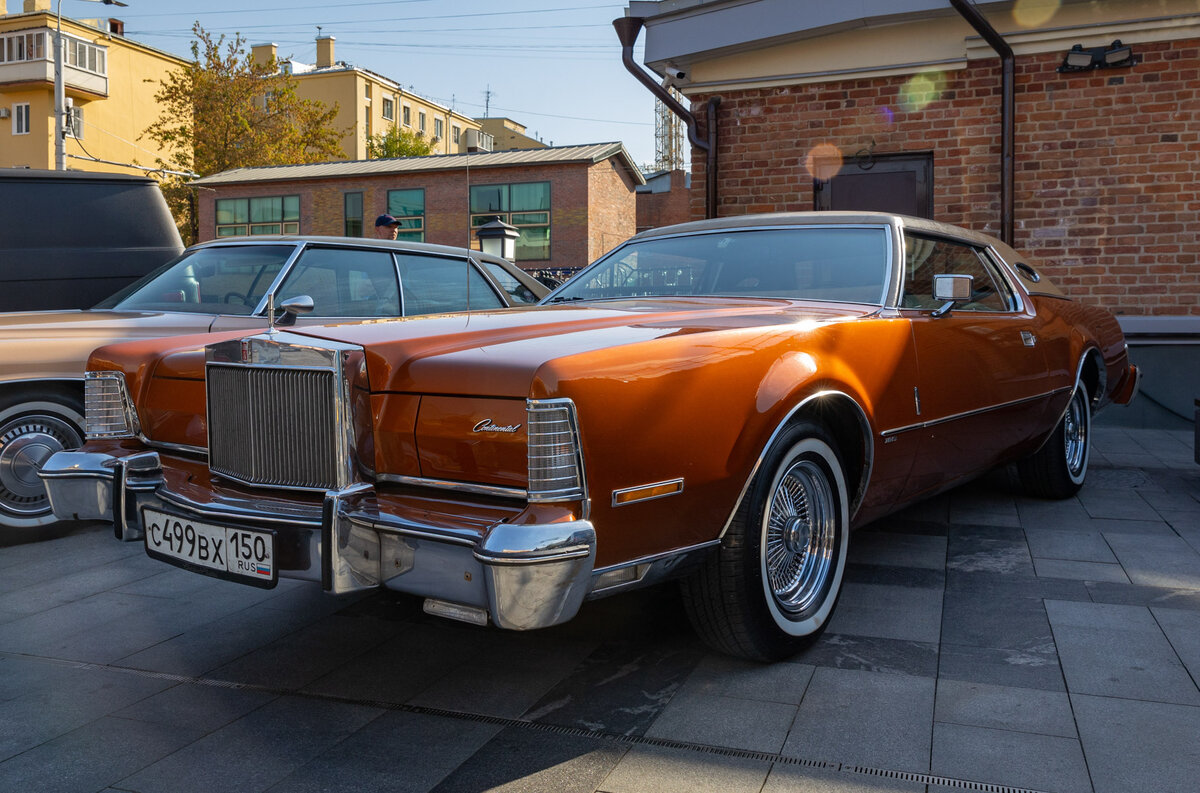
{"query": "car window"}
pixel 344 282
pixel 848 264
pixel 925 257
pixel 437 284
pixel 510 283
pixel 215 280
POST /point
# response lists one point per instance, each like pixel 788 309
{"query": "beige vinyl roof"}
pixel 554 155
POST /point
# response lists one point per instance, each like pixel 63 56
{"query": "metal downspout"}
pixel 1007 110
pixel 628 29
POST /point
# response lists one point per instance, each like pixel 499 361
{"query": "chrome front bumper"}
pixel 521 576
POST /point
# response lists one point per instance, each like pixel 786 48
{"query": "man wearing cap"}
pixel 386 227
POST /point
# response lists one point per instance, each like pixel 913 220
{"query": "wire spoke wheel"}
pixel 25 444
pixel 1075 429
pixel 801 531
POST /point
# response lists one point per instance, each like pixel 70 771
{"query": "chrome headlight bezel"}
pixel 555 454
pixel 108 407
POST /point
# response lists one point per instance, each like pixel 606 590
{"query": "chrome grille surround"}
pixel 278 412
pixel 555 452
pixel 108 409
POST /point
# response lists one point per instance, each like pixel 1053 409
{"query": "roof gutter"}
pixel 1007 110
pixel 628 29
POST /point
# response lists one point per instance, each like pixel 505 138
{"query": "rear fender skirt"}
pixel 868 451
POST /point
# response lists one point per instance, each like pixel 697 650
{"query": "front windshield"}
pixel 846 264
pixel 216 280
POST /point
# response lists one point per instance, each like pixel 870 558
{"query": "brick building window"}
pixel 353 211
pixel 408 206
pixel 526 206
pixel 265 215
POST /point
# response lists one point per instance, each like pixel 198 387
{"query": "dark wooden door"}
pixel 901 183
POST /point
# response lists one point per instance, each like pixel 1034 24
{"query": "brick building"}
pixel 665 199
pixel 569 203
pixel 897 105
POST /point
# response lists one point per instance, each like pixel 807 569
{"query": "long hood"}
pixel 501 353
pixel 56 344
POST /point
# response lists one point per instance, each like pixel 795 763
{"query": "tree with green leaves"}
pixel 397 142
pixel 224 110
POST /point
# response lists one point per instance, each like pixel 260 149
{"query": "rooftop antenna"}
pixel 487 101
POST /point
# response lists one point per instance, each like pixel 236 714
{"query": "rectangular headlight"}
pixel 555 456
pixel 108 409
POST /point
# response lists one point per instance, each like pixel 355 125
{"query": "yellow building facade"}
pixel 105 77
pixel 371 104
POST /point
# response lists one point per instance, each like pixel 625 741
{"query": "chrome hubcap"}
pixel 1075 433
pixel 25 444
pixel 800 538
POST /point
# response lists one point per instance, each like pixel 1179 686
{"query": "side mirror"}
pixel 951 288
pixel 294 307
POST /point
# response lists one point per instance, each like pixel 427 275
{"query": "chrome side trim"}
pixel 659 567
pixel 260 309
pixel 868 452
pixel 238 514
pixel 199 451
pixel 976 412
pixel 450 484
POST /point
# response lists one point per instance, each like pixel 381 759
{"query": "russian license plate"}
pixel 241 555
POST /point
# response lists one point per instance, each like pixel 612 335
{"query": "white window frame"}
pixel 18 115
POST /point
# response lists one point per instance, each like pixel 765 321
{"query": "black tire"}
pixel 1057 470
pixel 32 427
pixel 771 587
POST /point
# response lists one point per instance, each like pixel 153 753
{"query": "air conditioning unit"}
pixel 478 140
pixel 5 112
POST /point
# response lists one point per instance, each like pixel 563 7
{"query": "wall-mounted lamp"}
pixel 1113 56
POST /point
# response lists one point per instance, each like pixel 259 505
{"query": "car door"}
pixel 982 384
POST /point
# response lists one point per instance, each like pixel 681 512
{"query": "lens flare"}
pixel 1035 13
pixel 922 90
pixel 823 161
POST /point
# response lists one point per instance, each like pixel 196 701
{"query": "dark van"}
pixel 69 239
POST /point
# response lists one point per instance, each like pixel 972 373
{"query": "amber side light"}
pixel 647 492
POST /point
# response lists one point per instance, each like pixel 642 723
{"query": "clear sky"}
pixel 552 65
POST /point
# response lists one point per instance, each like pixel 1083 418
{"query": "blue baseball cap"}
pixel 386 220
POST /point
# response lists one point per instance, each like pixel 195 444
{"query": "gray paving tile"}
pixel 899 550
pixel 40 633
pixel 397 753
pixel 865 718
pixel 889 612
pixel 66 701
pixel 521 668
pixel 1004 757
pixel 1042 514
pixel 620 688
pixel 1182 629
pixel 990 616
pixel 872 654
pixel 888 575
pixel 1165 561
pixel 720 675
pixel 254 752
pixel 1034 666
pixel 1080 571
pixel 1138 746
pixel 988 549
pixel 652 769
pixel 518 760
pixel 202 707
pixel 292 661
pixel 749 724
pixel 1130 595
pixel 1076 546
pixel 93 756
pixel 1115 505
pixel 798 779
pixel 1004 708
pixel 1118 651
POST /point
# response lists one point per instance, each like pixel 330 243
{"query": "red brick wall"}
pixel 665 209
pixel 1107 163
pixel 572 229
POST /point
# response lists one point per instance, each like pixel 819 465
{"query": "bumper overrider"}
pixel 521 575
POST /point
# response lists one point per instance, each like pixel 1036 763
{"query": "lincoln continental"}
pixel 718 403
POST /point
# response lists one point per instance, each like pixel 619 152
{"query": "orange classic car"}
pixel 718 402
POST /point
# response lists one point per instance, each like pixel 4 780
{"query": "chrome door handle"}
pixel 1028 339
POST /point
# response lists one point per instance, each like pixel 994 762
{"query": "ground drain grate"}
pixel 557 729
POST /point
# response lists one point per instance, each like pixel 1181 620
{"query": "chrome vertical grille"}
pixel 274 426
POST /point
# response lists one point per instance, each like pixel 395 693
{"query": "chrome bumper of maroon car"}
pixel 520 576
